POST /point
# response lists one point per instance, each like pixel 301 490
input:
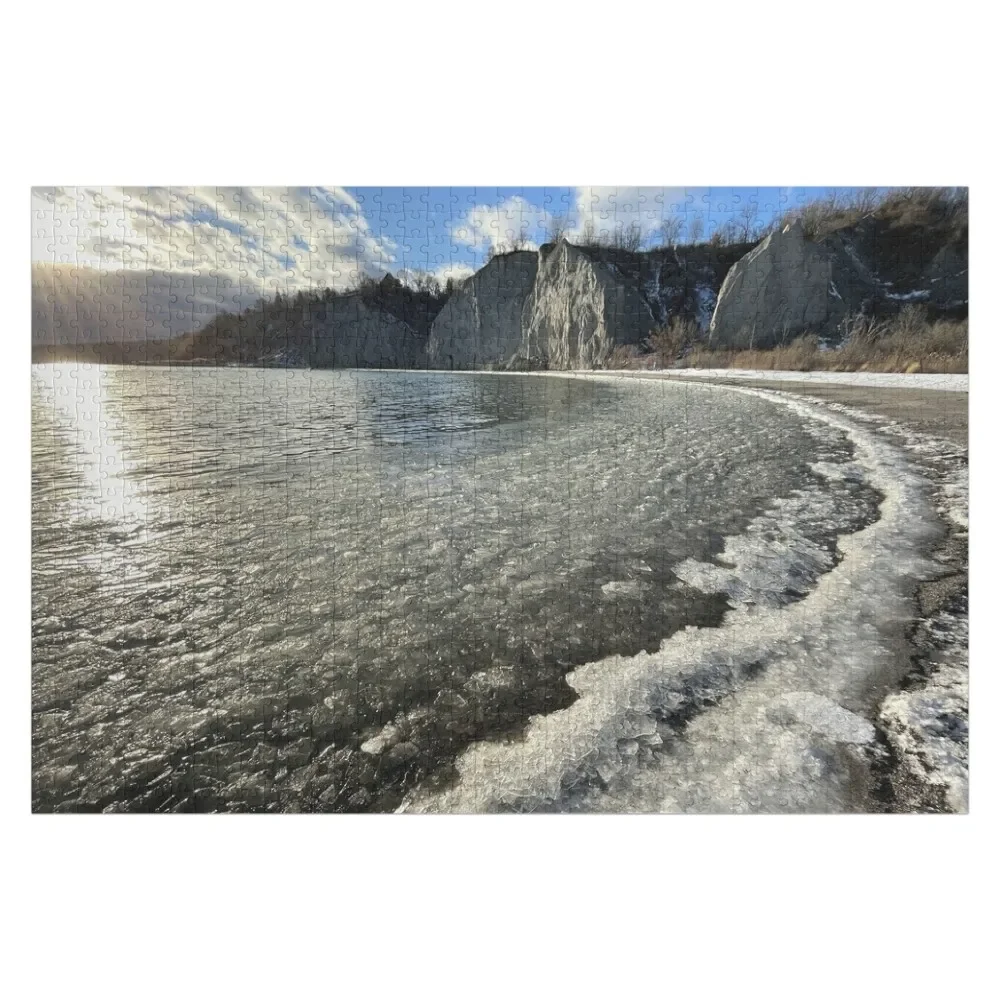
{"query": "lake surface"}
pixel 290 590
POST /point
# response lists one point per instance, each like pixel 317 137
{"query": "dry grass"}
pixel 907 343
pixel 801 355
pixel 623 356
pixel 943 210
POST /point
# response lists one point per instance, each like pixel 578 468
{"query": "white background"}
pixel 508 93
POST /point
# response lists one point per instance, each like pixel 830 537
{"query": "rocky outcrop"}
pixel 790 284
pixel 683 282
pixel 947 277
pixel 563 306
pixel 786 286
pixel 480 324
pixel 569 307
pixel 581 307
pixel 345 331
pixel 356 334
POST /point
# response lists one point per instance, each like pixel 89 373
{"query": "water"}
pixel 259 589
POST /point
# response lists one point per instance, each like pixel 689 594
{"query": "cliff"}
pixel 352 333
pixel 580 308
pixel 480 324
pixel 785 286
pixel 794 283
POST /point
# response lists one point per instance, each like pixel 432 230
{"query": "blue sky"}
pixel 263 240
pixel 428 224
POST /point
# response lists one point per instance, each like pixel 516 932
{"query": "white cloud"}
pixel 493 226
pixel 413 277
pixel 598 210
pixel 270 239
pixel 606 209
pixel 457 272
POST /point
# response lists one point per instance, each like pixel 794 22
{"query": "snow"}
pixel 706 306
pixel 929 729
pixel 928 725
pixel 778 693
pixel 887 380
pixel 827 717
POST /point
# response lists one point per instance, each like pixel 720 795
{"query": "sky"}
pixel 258 241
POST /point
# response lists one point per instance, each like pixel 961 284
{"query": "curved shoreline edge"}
pixel 852 699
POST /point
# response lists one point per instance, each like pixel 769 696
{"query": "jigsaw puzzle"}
pixel 489 500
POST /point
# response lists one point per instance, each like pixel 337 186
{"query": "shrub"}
pixel 836 211
pixel 907 339
pixel 943 209
pixel 668 344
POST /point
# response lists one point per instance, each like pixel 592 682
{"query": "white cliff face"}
pixel 789 285
pixel 480 324
pixel 780 289
pixel 579 310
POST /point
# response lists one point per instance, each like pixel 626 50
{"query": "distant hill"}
pixel 80 308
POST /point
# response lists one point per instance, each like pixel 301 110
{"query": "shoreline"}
pixel 874 380
pixel 922 725
pixel 834 660
pixel 940 409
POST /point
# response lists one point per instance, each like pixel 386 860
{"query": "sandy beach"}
pixel 940 411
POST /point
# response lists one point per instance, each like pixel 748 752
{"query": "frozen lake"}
pixel 323 590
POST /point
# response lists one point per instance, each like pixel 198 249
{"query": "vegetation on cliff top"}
pixel 942 214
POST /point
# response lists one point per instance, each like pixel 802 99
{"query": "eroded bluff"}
pixel 580 308
pixel 565 306
pixel 480 324
pixel 790 284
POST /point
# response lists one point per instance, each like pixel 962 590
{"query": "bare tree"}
pixel 726 234
pixel 424 282
pixel 670 230
pixel 627 237
pixel 865 200
pixel 519 240
pixel 746 227
pixel 557 228
pixel 589 235
pixel 696 227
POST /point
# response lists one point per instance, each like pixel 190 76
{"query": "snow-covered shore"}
pixel 888 380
